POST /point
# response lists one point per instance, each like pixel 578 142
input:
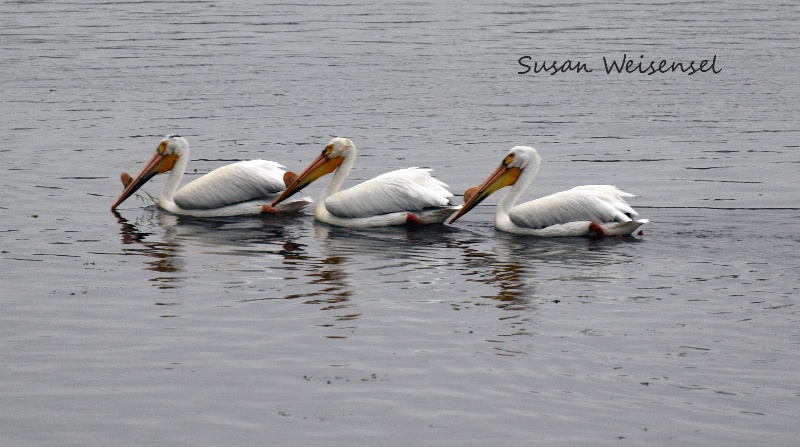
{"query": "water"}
pixel 149 329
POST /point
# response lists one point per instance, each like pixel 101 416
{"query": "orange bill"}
pixel 502 176
pixel 321 166
pixel 158 164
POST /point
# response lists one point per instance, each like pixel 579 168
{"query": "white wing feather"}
pixel 596 203
pixel 233 183
pixel 411 189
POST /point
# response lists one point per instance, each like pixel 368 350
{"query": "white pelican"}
pixel 580 211
pixel 237 189
pixel 403 197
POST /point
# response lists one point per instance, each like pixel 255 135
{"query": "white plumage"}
pixel 402 190
pixel 405 196
pixel 233 183
pixel 596 203
pixel 576 212
pixel 242 188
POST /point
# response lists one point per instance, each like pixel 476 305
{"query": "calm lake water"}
pixel 143 328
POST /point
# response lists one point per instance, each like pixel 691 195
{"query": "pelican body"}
pixel 404 197
pixel 580 211
pixel 238 189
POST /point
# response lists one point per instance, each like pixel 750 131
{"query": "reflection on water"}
pixel 432 263
pixel 335 293
pixel 514 265
pixel 166 254
pixel 506 276
pixel 688 335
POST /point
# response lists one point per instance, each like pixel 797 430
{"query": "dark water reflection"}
pixel 344 267
pixel 167 256
pixel 233 331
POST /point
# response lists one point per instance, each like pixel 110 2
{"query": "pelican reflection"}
pixel 164 256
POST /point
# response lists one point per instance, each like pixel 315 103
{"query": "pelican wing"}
pixel 596 203
pixel 233 183
pixel 411 189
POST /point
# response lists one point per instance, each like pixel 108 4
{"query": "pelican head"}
pixel 331 157
pixel 171 148
pixel 517 159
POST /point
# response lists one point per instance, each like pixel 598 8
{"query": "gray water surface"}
pixel 144 328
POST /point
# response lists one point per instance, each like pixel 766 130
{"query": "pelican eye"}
pixel 162 147
pixel 509 158
pixel 327 151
